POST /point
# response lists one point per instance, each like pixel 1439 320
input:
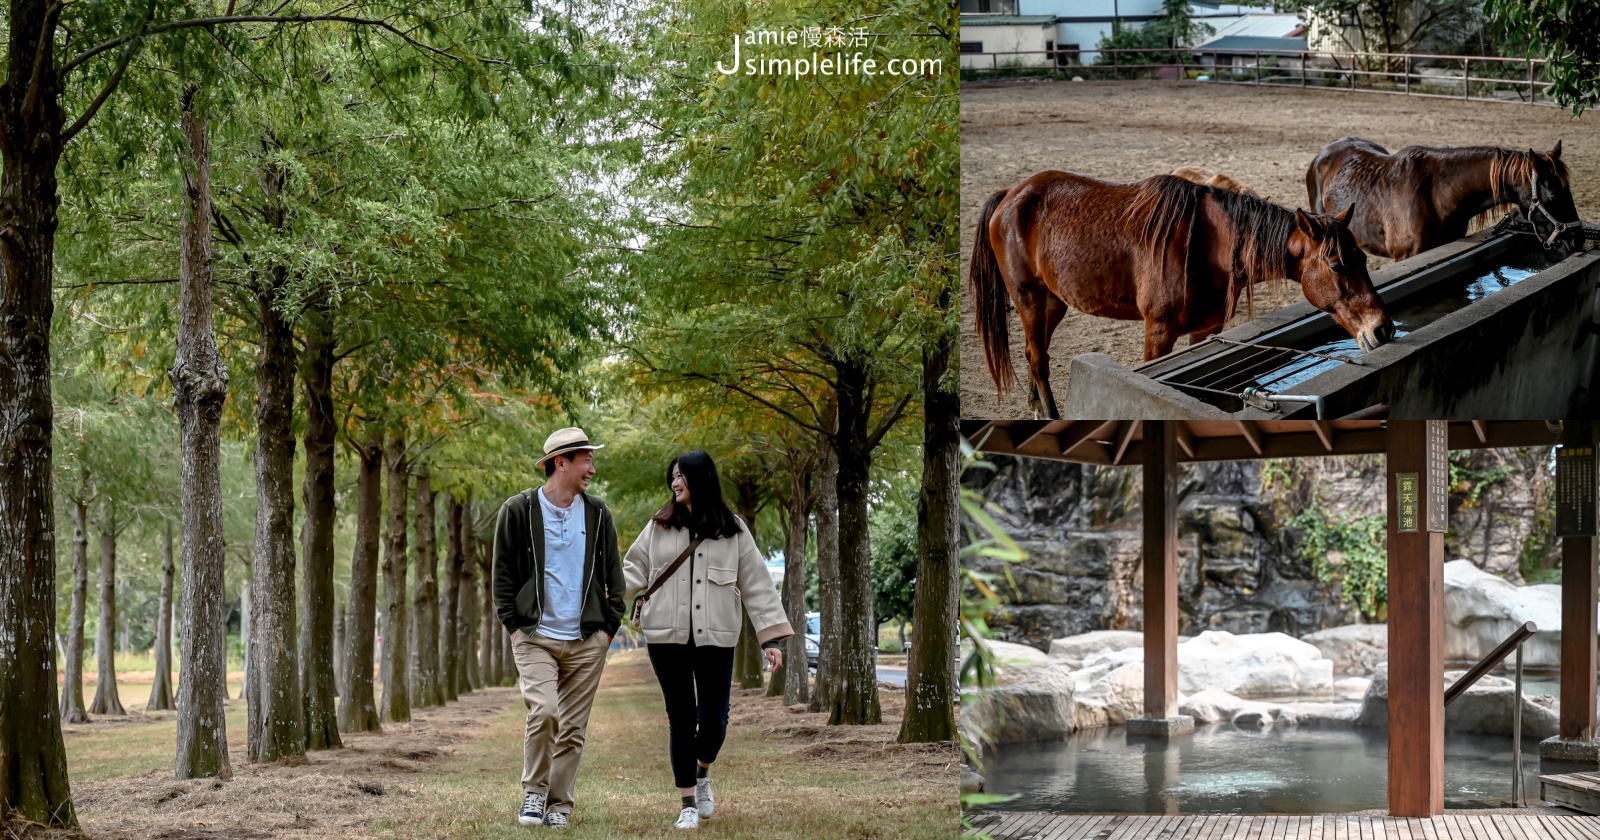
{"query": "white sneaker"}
pixel 689 818
pixel 702 797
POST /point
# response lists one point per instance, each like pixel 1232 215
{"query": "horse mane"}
pixel 1507 169
pixel 1261 232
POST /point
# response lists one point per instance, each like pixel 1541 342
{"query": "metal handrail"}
pixel 1512 642
pixel 1493 658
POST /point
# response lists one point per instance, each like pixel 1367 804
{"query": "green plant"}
pixel 1363 573
pixel 979 597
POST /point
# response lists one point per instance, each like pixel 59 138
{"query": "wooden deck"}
pixel 1578 791
pixel 1037 825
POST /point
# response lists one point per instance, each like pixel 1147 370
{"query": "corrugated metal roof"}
pixel 1250 44
pixel 1271 26
pixel 1008 20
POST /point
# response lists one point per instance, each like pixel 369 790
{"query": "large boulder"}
pixel 1037 707
pixel 1049 702
pixel 1353 648
pixel 1009 655
pixel 1253 665
pixel 1073 650
pixel 1481 610
pixel 1485 707
pixel 1212 705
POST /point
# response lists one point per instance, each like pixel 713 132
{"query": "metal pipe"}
pixel 1316 401
pixel 1517 796
pixel 1493 658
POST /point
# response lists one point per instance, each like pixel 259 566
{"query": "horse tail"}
pixel 988 294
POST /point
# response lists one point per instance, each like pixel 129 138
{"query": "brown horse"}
pixel 1420 198
pixel 1175 254
pixel 1196 175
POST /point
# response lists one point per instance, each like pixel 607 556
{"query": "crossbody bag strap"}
pixel 662 578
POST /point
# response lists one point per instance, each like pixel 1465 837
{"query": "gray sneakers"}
pixel 703 801
pixel 688 818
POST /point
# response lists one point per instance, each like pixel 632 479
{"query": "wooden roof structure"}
pixel 1121 442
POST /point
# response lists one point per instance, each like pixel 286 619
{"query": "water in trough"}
pixel 1411 313
pixel 1222 769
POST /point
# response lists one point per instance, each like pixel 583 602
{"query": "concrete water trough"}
pixel 1492 325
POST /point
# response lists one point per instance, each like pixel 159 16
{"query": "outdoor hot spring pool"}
pixel 1221 769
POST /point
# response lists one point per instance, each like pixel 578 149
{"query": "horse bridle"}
pixel 1559 228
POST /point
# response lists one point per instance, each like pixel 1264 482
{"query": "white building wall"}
pixel 1029 38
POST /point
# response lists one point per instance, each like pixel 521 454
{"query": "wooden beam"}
pixel 1578 582
pixel 1185 437
pixel 1324 431
pixel 1251 434
pixel 1124 437
pixel 1302 443
pixel 1481 429
pixel 1416 633
pixel 1079 432
pixel 1021 437
pixel 1160 570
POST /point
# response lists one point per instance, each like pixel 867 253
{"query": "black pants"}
pixel 696 681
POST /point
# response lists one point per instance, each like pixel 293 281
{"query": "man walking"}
pixel 558 590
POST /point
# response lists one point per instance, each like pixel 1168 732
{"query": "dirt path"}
pixel 1125 131
pixel 453 772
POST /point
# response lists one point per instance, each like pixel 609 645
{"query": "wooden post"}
pixel 1578 583
pixel 1160 569
pixel 1416 622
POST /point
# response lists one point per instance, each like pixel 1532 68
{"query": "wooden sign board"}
pixel 1438 500
pixel 1407 497
pixel 1575 491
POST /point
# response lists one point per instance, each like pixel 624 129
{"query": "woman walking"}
pixel 696 565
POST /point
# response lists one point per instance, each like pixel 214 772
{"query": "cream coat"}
pixel 726 573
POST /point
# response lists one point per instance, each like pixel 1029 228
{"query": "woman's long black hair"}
pixel 711 517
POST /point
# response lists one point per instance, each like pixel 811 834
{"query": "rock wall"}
pixel 1240 568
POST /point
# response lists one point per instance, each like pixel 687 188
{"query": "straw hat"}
pixel 566 441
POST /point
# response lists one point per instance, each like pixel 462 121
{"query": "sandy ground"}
pixel 1126 131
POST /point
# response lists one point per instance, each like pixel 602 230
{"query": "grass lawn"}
pixel 107 747
pixel 454 773
pixel 765 787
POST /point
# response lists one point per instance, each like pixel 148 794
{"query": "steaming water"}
pixel 1221 769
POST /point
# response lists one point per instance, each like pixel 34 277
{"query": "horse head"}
pixel 1543 190
pixel 1333 275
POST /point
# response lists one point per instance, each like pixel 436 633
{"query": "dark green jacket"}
pixel 519 566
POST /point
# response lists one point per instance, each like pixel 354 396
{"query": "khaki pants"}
pixel 558 680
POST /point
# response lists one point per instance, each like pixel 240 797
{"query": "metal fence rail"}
pixel 1515 80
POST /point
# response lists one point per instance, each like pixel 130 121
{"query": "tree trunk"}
pixel 244 637
pixel 449 640
pixel 931 694
pixel 161 686
pixel 488 647
pixel 396 704
pixel 341 619
pixel 425 659
pixel 276 722
pixel 316 631
pixel 467 605
pixel 33 775
pixel 72 708
pixel 358 710
pixel 854 696
pixel 106 699
pixel 747 650
pixel 200 386
pixel 796 680
pixel 827 513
